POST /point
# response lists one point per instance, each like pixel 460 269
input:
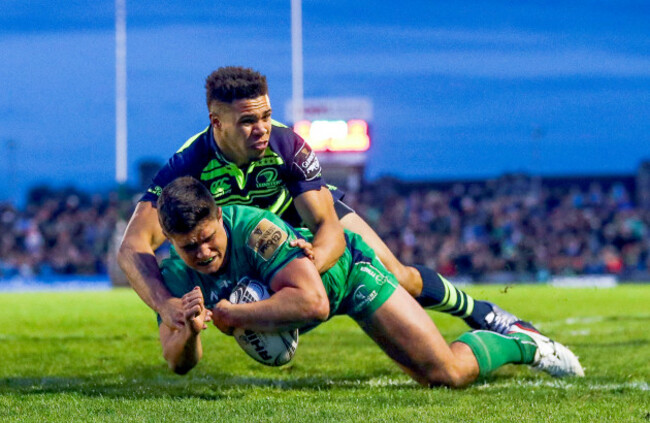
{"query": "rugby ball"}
pixel 270 348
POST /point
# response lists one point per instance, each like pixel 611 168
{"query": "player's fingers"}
pixel 195 302
pixel 301 243
pixel 192 295
pixel 198 291
pixel 192 312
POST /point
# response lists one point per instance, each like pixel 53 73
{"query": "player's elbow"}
pixel 128 249
pixel 123 253
pixel 317 308
pixel 180 369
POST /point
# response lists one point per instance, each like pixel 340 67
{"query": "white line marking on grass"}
pixel 584 320
pixel 582 332
pixel 560 384
pixel 374 382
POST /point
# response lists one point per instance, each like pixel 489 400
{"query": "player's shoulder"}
pixel 262 231
pixel 199 140
pixel 284 141
pixel 241 216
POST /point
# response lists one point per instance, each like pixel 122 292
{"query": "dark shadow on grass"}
pixel 627 317
pixel 156 381
pixel 144 382
pixel 77 337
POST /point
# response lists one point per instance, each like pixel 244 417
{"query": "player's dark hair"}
pixel 183 204
pixel 231 83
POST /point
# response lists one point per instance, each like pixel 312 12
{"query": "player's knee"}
pixel 408 278
pixel 449 376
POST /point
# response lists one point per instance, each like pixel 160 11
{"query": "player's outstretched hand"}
pixel 194 311
pixel 306 246
pixel 172 313
pixel 219 315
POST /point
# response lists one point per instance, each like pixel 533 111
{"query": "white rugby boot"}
pixel 550 357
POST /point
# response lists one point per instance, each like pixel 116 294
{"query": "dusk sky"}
pixel 459 89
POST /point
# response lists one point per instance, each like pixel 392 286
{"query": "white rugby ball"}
pixel 270 348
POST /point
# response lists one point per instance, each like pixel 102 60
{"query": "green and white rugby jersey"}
pixel 258 247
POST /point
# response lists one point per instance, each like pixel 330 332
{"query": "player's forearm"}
pixel 141 269
pixel 182 350
pixel 287 309
pixel 328 245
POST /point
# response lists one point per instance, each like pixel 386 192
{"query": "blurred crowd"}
pixel 58 233
pixel 513 227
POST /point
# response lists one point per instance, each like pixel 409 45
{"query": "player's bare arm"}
pixel 316 208
pixel 182 347
pixel 137 259
pixel 299 299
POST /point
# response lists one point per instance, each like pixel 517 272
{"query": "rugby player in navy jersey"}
pixel 244 157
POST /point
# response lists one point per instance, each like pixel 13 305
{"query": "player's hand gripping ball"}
pixel 270 348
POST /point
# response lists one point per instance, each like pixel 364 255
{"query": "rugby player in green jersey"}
pixel 243 157
pixel 219 246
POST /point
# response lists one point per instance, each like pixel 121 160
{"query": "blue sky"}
pixel 460 89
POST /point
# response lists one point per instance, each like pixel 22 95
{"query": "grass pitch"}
pixel 95 356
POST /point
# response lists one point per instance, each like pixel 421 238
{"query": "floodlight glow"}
pixel 302 128
pixel 334 135
pixel 356 140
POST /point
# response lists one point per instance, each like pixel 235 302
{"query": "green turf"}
pixel 95 357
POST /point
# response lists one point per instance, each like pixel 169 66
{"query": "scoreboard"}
pixel 339 130
pixel 335 135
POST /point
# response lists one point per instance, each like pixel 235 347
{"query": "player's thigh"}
pixel 406 333
pixel 354 223
pixel 407 276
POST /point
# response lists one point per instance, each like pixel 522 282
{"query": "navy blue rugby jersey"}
pixel 288 168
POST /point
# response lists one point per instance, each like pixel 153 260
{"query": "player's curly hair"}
pixel 183 204
pixel 230 83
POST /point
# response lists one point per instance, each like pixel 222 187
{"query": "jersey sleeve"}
pixel 304 171
pixel 267 245
pixel 185 162
pixel 178 165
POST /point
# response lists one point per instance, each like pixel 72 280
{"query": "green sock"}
pixel 493 350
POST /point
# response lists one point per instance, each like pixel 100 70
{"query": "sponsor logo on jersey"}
pixel 157 190
pixel 374 273
pixel 362 297
pixel 266 238
pixel 222 285
pixel 214 297
pixel 308 163
pixel 267 178
pixel 220 187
